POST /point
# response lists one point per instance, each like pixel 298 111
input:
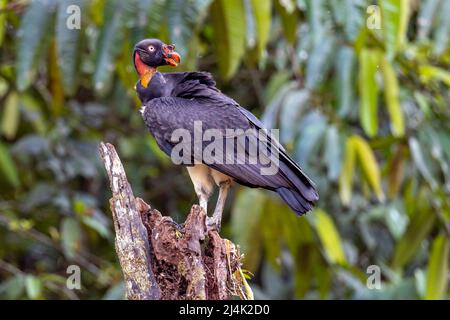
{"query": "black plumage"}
pixel 176 100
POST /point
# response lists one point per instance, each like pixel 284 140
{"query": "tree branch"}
pixel 161 259
pixel 132 244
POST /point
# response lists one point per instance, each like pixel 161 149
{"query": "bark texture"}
pixel 162 259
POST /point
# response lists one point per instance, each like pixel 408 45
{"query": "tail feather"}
pixel 295 200
pixel 302 195
pixel 300 181
pixel 297 190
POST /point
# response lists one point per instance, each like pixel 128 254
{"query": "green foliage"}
pixel 70 234
pixel 228 18
pixel 68 46
pixel 8 167
pixel 368 87
pixel 329 237
pixel 420 224
pixel 438 268
pixel 395 15
pixel 110 40
pixel 263 16
pixel 32 38
pixel 391 93
pixel 11 114
pixel 364 111
pixel 2 20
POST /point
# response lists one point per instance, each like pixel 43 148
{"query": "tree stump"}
pixel 161 259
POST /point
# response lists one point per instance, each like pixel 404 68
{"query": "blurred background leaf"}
pixel 329 237
pixel 364 112
pixel 437 281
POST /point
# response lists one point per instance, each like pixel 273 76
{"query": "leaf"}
pixel 33 39
pixel 157 13
pixel 33 113
pixel 438 269
pixel 396 171
pixel 420 279
pixel 333 153
pixel 272 231
pixel 345 63
pixel 319 62
pixel 251 36
pixel 313 130
pixel 68 43
pixel 71 237
pixel 347 171
pixel 262 10
pixel 347 13
pixel 291 108
pixel 428 72
pixel 142 18
pixel 7 165
pixel 318 17
pixel 13 287
pixel 2 20
pixel 329 237
pixel 353 19
pixel 423 103
pixel 271 112
pixel 159 154
pixel 228 20
pixel 289 18
pixel 116 292
pixel 391 90
pixel 3 87
pixel 368 87
pixel 10 119
pixel 395 15
pixel 183 22
pixel 109 45
pixel 96 9
pixel 33 286
pixel 418 228
pixel 419 160
pixel 245 225
pixel 56 81
pixel 296 231
pixel 427 12
pixel 97 225
pixel 324 280
pixel 442 32
pixel 369 165
pixel 357 148
pixel 306 263
pixel 276 83
pixel 396 220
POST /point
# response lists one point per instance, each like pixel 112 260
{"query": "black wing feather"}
pixel 195 98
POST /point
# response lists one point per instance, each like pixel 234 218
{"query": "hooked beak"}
pixel 171 57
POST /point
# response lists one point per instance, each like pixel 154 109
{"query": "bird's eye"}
pixel 151 48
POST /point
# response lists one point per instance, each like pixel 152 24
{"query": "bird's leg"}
pixel 216 220
pixel 203 202
pixel 203 184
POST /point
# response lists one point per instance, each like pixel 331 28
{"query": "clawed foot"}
pixel 213 223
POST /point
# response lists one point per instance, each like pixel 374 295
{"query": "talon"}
pixel 212 224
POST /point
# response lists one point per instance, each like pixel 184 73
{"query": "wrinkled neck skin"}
pixel 147 76
pixel 145 72
pixel 156 88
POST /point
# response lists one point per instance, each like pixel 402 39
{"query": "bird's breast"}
pixel 204 177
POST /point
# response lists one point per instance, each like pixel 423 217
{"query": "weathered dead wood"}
pixel 132 244
pixel 161 259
